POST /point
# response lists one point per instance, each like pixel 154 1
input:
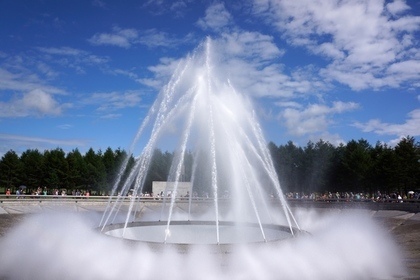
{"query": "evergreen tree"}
pixel 357 162
pixel 95 179
pixel 408 155
pixel 56 169
pixel 383 176
pixel 77 170
pixel 111 168
pixel 33 168
pixel 11 171
pixel 291 167
pixel 317 165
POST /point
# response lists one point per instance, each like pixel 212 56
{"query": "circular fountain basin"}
pixel 199 232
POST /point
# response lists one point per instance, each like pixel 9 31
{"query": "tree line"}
pixel 353 167
pixel 54 169
pixel 318 167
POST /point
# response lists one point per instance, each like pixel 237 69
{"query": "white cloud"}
pixel 410 127
pixel 161 72
pixel 41 102
pixel 330 50
pixel 26 90
pixel 248 60
pixel 396 7
pixel 250 45
pixel 34 103
pixel 118 37
pixel 257 81
pixel 24 81
pixel 408 68
pixel 28 94
pixel 216 18
pixel 357 35
pixel 314 119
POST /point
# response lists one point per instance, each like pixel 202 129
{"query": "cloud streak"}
pixel 118 37
pixel 20 143
pixel 410 127
pixel 112 101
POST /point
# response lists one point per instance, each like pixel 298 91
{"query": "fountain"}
pixel 238 232
pixel 202 114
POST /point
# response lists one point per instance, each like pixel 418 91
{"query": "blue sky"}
pixel 82 74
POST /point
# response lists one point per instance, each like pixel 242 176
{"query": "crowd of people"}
pixel 350 196
pixel 22 191
pixel 314 196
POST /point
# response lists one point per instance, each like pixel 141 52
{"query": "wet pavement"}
pixel 405 229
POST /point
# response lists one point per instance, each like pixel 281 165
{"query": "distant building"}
pixel 167 188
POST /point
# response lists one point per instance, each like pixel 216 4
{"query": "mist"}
pixel 342 245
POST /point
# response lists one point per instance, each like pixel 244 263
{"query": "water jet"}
pixel 202 115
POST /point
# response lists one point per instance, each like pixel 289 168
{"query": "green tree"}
pixel 274 152
pixel 338 175
pixel 357 162
pixel 56 169
pixel 383 176
pixel 123 171
pixel 159 169
pixel 77 169
pixel 95 178
pixel 316 165
pixel 408 156
pixel 111 167
pixel 11 170
pixel 33 168
pixel 127 170
pixel 290 161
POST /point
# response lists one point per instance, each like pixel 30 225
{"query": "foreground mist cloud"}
pixel 67 246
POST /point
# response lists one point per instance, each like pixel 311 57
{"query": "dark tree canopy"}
pixel 318 167
pixel 354 167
